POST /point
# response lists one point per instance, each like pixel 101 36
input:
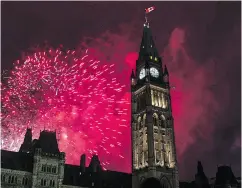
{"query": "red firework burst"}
pixel 71 92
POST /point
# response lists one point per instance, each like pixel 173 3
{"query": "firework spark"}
pixel 67 91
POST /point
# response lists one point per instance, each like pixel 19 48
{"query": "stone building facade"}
pixel 40 164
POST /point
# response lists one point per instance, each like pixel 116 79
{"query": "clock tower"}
pixel 154 162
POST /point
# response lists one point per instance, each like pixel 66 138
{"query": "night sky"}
pixel 200 43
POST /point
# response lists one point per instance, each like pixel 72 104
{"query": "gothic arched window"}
pixel 54 169
pixel 163 122
pixel 3 178
pixel 144 120
pixel 9 179
pixel 12 179
pixel 139 123
pixel 155 119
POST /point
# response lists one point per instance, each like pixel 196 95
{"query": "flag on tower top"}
pixel 148 10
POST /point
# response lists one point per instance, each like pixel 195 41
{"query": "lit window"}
pixel 150 57
pixel 156 59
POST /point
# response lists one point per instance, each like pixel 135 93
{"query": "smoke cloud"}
pixel 198 100
pixel 199 43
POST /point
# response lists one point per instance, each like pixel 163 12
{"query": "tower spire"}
pixel 147 46
pixel 27 143
pixel 146 20
pixel 152 125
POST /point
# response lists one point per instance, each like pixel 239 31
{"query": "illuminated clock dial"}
pixel 154 72
pixel 142 74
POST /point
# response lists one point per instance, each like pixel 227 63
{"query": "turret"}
pixel 201 179
pixel 26 146
pixel 225 177
pixel 83 163
pixel 95 165
pixel 166 75
pixel 133 78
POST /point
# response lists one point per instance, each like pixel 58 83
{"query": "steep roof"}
pixel 26 146
pixel 147 46
pixel 225 176
pixel 17 160
pixel 47 142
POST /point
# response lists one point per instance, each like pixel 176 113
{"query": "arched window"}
pixel 152 97
pixel 15 179
pixel 54 169
pixel 139 123
pixel 48 168
pixel 12 179
pixel 44 182
pixel 165 183
pixel 163 122
pixel 3 178
pixel 155 119
pixel 144 120
pixel 25 181
pixel 44 168
pixel 9 179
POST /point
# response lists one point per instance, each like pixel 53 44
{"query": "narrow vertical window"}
pixel 12 179
pixel 26 181
pixel 152 97
pixel 9 179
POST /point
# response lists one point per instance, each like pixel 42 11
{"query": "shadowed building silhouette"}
pixel 201 180
pixel 225 178
pixel 39 163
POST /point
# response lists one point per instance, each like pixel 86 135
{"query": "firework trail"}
pixel 67 91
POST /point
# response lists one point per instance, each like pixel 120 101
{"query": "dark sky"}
pixel 201 45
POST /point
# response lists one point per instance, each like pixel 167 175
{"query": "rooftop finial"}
pixel 147 11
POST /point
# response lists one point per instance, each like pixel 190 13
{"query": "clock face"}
pixel 154 72
pixel 142 74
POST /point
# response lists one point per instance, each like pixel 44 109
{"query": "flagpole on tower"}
pixel 146 20
pixel 147 11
